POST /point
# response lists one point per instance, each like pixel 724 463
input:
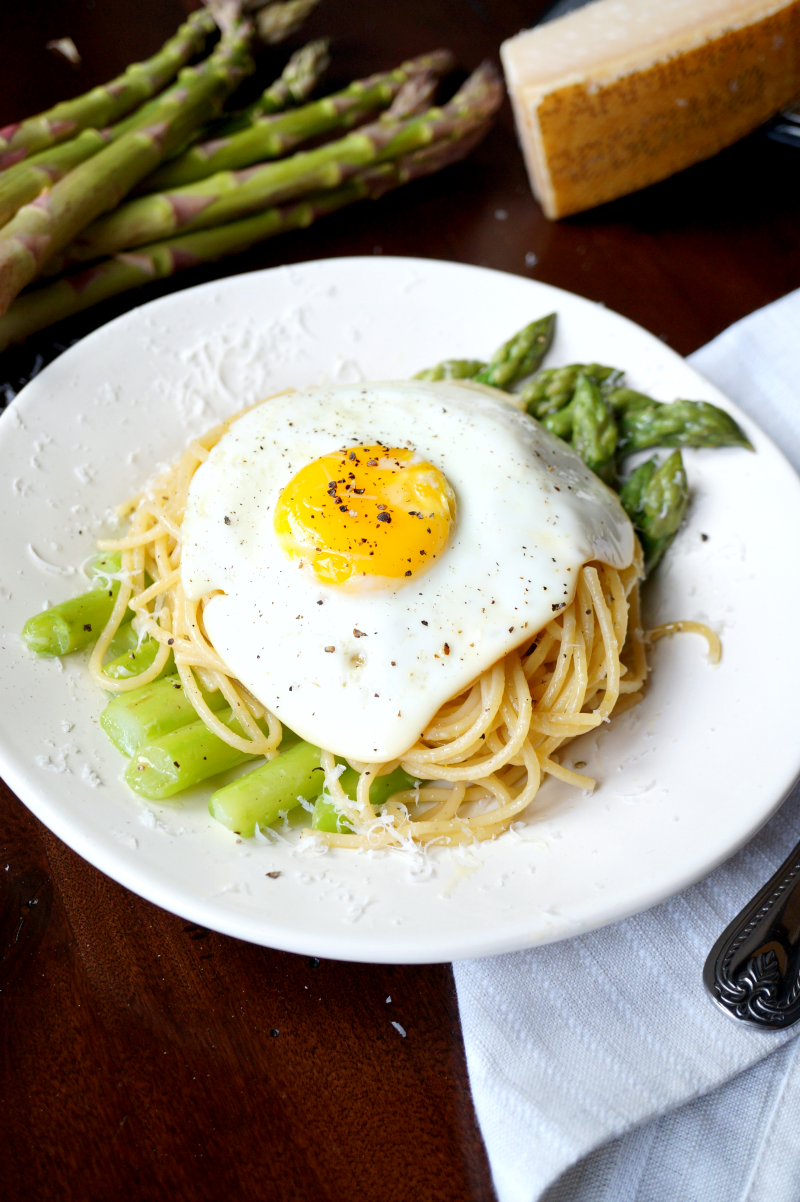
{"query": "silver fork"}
pixel 753 970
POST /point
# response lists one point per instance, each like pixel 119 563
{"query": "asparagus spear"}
pixel 277 22
pixel 42 307
pixel 511 362
pixel 681 424
pixel 594 431
pixel 622 400
pixel 452 369
pixel 230 195
pixel 75 623
pixel 44 227
pixel 655 499
pixel 103 105
pixel 134 659
pixel 298 79
pixel 554 387
pixel 176 761
pixel 300 76
pixel 520 356
pixel 132 719
pixel 271 137
pixel 326 817
pixel 276 787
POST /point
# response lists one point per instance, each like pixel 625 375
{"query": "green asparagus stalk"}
pixel 108 103
pixel 681 424
pixel 277 22
pixel 656 499
pixel 298 79
pixel 594 431
pixel 52 302
pixel 176 761
pixel 132 719
pixel 77 622
pixel 300 76
pixel 520 356
pixel 452 369
pixel 326 817
pixel 231 195
pixel 135 659
pixel 560 422
pixel 263 795
pixel 622 400
pixel 554 387
pixel 41 229
pixel 272 137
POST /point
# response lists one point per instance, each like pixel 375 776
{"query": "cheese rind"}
pixel 599 117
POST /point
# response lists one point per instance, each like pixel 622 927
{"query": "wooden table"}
pixel 142 1057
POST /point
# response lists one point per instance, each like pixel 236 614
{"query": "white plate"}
pixel 685 778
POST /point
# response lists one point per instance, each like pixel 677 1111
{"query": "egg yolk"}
pixel 368 514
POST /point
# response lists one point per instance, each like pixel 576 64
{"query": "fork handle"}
pixel 753 970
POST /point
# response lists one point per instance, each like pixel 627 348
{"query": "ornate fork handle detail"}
pixel 753 971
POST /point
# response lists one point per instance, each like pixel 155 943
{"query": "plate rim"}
pixel 144 881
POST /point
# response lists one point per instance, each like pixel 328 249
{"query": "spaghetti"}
pixel 487 749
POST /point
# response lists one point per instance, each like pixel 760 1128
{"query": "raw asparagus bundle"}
pixel 24 182
pixel 230 195
pixel 43 228
pixel 74 293
pixel 271 137
pixel 104 105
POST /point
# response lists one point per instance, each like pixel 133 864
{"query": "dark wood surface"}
pixel 144 1058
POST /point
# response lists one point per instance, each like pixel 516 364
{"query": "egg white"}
pixel 529 514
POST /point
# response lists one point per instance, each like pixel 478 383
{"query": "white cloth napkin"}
pixel 600 1075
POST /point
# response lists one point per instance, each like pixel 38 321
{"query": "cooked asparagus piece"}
pixel 41 229
pixel 326 817
pixel 624 400
pixel 132 719
pixel 520 356
pixel 655 499
pixel 554 387
pixel 272 137
pixel 263 795
pixel 594 431
pixel 42 307
pixel 230 195
pixel 185 757
pixel 77 622
pixel 108 103
pixel 560 422
pixel 681 424
pixel 452 369
pixel 135 659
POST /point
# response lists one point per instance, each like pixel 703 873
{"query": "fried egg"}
pixel 366 551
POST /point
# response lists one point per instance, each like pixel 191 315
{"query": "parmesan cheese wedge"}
pixel 623 93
